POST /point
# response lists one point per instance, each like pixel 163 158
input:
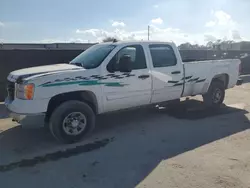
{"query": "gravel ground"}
pixel 139 148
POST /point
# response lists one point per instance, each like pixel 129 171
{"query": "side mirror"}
pixel 125 63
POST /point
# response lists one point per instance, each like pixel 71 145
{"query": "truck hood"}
pixel 19 75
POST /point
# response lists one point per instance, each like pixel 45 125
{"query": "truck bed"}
pixel 204 71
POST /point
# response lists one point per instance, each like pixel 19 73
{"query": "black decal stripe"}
pixel 98 77
pixel 198 81
pixel 94 76
pixel 124 75
pixel 172 82
pixel 67 79
pixel 179 84
pixel 188 77
pixel 194 79
pixel 47 83
pixel 103 78
pixel 81 78
pixel 43 75
pixel 70 79
pixel 116 76
pixel 131 75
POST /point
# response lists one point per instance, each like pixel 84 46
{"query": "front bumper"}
pixel 239 82
pixel 34 120
pixel 27 106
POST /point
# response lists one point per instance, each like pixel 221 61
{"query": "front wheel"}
pixel 71 121
pixel 215 95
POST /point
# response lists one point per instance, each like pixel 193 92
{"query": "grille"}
pixel 11 90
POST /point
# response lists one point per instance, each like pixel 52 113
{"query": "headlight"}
pixel 25 91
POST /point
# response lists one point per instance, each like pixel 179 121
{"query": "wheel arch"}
pixel 85 96
pixel 221 77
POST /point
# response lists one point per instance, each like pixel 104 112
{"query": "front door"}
pixel 127 89
pixel 167 73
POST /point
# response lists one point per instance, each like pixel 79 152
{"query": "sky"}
pixel 194 21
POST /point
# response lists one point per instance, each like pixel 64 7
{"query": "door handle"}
pixel 144 76
pixel 176 72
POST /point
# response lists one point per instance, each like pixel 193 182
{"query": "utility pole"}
pixel 148 31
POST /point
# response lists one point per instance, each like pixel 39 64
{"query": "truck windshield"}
pixel 93 56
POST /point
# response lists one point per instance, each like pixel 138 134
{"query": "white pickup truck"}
pixel 109 77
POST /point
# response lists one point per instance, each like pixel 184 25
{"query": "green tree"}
pixel 110 39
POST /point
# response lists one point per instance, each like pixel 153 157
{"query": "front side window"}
pixel 93 56
pixel 136 54
pixel 162 55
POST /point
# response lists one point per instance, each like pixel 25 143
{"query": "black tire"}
pixel 61 112
pixel 46 126
pixel 215 95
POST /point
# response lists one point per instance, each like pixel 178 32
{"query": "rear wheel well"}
pixel 85 96
pixel 222 78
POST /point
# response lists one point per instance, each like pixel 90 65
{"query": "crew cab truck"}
pixel 109 77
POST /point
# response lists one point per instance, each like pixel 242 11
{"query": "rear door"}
pixel 167 73
pixel 125 90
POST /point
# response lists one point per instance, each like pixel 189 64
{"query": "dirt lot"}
pixel 139 148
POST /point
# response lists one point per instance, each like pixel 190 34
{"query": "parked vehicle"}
pixel 109 77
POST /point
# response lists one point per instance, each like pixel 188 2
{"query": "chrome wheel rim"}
pixel 217 95
pixel 74 123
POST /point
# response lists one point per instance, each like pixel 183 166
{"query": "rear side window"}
pixel 162 55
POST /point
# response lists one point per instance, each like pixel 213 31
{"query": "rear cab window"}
pixel 162 55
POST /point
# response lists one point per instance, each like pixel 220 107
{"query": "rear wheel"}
pixel 215 95
pixel 71 121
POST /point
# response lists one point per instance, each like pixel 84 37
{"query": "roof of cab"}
pixel 140 42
